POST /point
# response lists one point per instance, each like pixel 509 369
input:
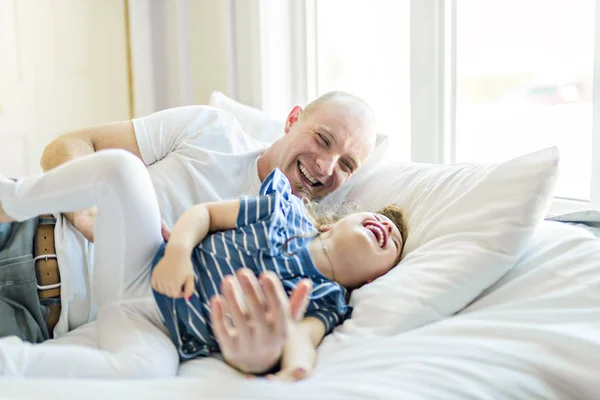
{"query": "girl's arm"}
pixel 300 352
pixel 173 276
pixel 193 226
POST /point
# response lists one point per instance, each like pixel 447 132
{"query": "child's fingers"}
pixel 254 297
pixel 276 305
pixel 217 318
pixel 299 374
pixel 299 299
pixel 238 314
pixel 188 287
pixel 288 375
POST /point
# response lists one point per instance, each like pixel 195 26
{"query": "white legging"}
pixel 130 336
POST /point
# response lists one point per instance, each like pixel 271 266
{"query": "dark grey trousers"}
pixel 20 310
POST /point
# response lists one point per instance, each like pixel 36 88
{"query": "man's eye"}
pixel 323 139
pixel 349 166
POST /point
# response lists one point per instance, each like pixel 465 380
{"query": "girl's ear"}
pixel 325 227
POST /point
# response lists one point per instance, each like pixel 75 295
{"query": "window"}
pixel 524 74
pixel 462 81
pixel 364 49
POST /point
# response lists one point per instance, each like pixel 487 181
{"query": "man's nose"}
pixel 327 164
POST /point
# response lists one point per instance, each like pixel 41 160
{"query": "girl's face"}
pixel 362 247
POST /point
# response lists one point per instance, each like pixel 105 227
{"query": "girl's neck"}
pixel 321 256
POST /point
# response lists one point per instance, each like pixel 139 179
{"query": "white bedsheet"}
pixel 533 335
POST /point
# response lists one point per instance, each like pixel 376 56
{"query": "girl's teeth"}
pixel 379 235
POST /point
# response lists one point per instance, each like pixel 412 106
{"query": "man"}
pixel 194 154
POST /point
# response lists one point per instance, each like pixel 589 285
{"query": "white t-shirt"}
pixel 194 154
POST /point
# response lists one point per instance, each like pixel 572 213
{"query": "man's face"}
pixel 322 150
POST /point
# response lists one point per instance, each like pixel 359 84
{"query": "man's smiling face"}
pixel 324 146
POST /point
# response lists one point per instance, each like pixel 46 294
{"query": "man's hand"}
pixel 83 221
pixel 261 315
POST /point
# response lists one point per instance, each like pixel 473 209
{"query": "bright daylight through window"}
pixel 524 81
pixel 363 48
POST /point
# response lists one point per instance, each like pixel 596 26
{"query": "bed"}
pixel 534 334
pixel 490 301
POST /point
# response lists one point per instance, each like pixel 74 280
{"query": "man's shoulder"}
pixel 214 129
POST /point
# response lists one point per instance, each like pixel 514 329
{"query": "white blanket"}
pixel 535 334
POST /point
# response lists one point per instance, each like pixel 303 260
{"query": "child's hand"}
pixel 173 276
pixel 289 375
pixel 252 339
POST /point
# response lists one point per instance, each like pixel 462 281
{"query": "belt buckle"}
pixel 46 257
pixel 48 287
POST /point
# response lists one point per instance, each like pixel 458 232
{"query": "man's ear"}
pixel 292 118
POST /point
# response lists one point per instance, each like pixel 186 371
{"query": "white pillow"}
pixel 254 122
pixel 261 126
pixel 467 226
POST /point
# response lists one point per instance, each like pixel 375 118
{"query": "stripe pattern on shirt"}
pixel 265 224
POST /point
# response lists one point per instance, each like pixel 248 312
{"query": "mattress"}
pixel 535 334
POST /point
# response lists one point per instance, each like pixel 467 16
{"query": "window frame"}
pixel 432 79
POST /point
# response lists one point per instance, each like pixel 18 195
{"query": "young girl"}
pixel 154 299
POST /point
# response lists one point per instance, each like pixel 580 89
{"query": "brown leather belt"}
pixel 46 269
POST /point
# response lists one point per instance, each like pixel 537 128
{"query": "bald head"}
pixel 354 104
pixel 324 144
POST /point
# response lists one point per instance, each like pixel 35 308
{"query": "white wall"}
pixel 182 50
pixel 63 66
pixel 211 48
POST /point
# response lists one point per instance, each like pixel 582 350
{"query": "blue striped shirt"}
pixel 265 224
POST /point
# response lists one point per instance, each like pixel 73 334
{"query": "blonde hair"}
pixel 323 216
pixel 395 214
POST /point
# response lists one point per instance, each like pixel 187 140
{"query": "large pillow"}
pixel 254 122
pixel 467 226
pixel 261 126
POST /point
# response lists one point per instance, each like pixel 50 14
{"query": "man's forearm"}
pixel 117 135
pixel 65 148
pixel 61 150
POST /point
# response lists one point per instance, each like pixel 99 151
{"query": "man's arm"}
pixel 118 135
